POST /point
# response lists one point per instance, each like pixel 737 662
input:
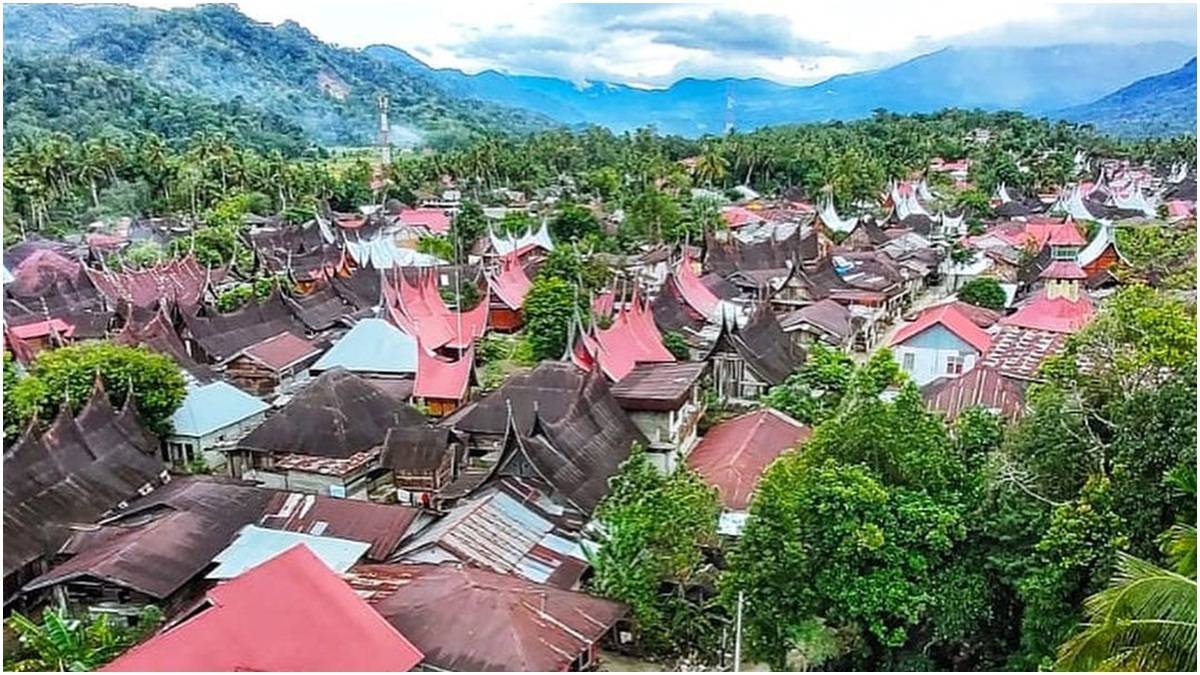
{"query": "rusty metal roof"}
pixel 512 624
pixel 508 528
pixel 658 386
pixel 380 525
pixel 164 540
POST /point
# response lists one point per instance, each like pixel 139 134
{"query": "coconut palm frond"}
pixel 1180 546
pixel 1145 620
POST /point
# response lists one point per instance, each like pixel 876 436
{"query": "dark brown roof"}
pixel 321 309
pixel 416 449
pixel 983 386
pixel 550 388
pixel 381 525
pixel 163 541
pixel 223 336
pixel 577 453
pixel 337 415
pixel 658 386
pixel 466 618
pixel 75 471
pixel 732 255
pixel 363 289
pixel 828 316
pixel 157 334
pixel 672 313
pixel 763 345
pixel 282 351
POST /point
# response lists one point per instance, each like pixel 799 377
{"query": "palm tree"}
pixel 61 643
pixel 1146 618
pixel 711 165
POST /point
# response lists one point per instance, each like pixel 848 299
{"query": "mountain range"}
pixel 1038 80
pixel 216 53
pixel 1160 105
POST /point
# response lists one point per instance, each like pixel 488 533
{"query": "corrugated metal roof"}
pixel 255 545
pixel 467 618
pixel 499 531
pixel 372 346
pixel 288 614
pixel 214 406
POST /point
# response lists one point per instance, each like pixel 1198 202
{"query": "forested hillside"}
pixel 87 99
pixel 215 52
pixel 1161 105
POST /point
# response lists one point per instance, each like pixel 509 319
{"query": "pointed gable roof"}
pixel 950 317
pixel 762 344
pixel 630 339
pixel 75 470
pixel 303 617
pixel 510 285
pixel 441 379
pixel 338 415
pixel 578 452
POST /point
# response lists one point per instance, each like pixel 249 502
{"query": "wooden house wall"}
pixel 504 319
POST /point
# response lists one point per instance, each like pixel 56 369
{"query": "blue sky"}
pixel 657 44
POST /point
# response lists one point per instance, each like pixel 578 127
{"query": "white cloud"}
pixel 652 44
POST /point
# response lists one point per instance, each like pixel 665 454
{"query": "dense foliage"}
pixel 63 643
pixel 653 532
pixel 68 374
pixel 216 53
pixel 983 292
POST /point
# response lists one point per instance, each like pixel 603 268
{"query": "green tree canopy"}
pixel 69 374
pixel 983 292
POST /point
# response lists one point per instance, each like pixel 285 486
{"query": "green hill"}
pixel 217 53
pixel 84 98
pixel 1160 105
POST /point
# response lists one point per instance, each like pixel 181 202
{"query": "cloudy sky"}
pixel 657 44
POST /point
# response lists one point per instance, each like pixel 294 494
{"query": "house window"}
pixel 910 362
pixel 954 364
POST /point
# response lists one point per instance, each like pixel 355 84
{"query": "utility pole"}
pixel 385 148
pixel 729 119
pixel 737 636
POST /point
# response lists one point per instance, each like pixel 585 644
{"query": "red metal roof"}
pixel 1063 269
pixel 985 387
pixel 1065 234
pixel 631 338
pixel 40 329
pixel 467 618
pixel 291 613
pixel 181 281
pixel 739 216
pixel 435 220
pixel 1059 315
pixel 950 317
pixel 733 455
pixel 381 525
pixel 282 350
pixel 417 308
pixel 511 284
pixel 441 379
pixel 693 291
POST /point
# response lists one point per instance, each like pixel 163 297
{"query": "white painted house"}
pixel 943 341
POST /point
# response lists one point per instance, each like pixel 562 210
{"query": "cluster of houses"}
pixel 336 459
